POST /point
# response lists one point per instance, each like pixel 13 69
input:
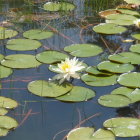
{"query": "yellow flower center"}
pixel 65 67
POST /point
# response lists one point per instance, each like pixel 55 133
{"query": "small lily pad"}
pixel 23 44
pixel 3 111
pixel 50 57
pixel 135 48
pixel 83 50
pixel 59 6
pixel 77 94
pixel 7 33
pixel 99 80
pixel 8 122
pixel 20 61
pixel 109 28
pixel 132 94
pixel 37 34
pixel 8 103
pixel 137 2
pixel 114 100
pixel 125 57
pixel 130 79
pixel 87 133
pixel 115 67
pixel 5 72
pixel 123 126
pixel 136 35
pixel 48 89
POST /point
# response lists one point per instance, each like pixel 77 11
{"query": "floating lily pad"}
pixel 132 94
pixel 87 133
pixel 50 57
pixel 8 103
pixel 20 61
pixel 115 67
pixel 93 70
pixel 136 35
pixel 123 126
pixel 48 89
pixel 135 48
pixel 114 100
pixel 129 12
pixel 98 80
pixel 3 111
pixel 125 57
pixel 130 79
pixel 3 132
pixel 23 44
pixel 1 57
pixel 37 34
pixel 109 28
pixel 83 50
pixel 5 72
pixel 77 94
pixel 59 6
pixel 8 122
pixel 137 2
pixel 7 33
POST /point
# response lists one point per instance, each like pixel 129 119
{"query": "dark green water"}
pixel 43 118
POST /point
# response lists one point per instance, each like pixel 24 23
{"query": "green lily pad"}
pixel 3 132
pixel 114 100
pixel 136 35
pixel 123 126
pixel 135 48
pixel 87 133
pixel 109 28
pixel 23 44
pixel 125 57
pixel 50 57
pixel 7 33
pixel 77 94
pixel 3 111
pixel 137 2
pixel 59 6
pixel 93 70
pixel 48 89
pixel 8 103
pixel 37 34
pixel 130 79
pixel 83 50
pixel 5 72
pixel 129 12
pixel 8 122
pixel 98 80
pixel 132 94
pixel 1 57
pixel 20 61
pixel 115 67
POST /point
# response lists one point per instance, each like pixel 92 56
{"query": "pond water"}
pixel 46 118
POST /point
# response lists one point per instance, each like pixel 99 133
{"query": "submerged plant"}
pixel 67 69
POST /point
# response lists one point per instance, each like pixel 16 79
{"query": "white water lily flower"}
pixel 137 22
pixel 68 69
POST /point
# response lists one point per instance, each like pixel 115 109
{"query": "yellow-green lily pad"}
pixel 3 111
pixel 135 48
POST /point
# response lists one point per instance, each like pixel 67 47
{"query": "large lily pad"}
pixel 20 61
pixel 132 94
pixel 109 28
pixel 135 48
pixel 5 72
pixel 123 126
pixel 23 44
pixel 77 94
pixel 98 80
pixel 8 103
pixel 130 79
pixel 48 89
pixel 126 57
pixel 58 6
pixel 114 100
pixel 7 33
pixel 50 57
pixel 87 133
pixel 115 67
pixel 37 34
pixel 83 50
pixel 8 122
pixel 137 2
